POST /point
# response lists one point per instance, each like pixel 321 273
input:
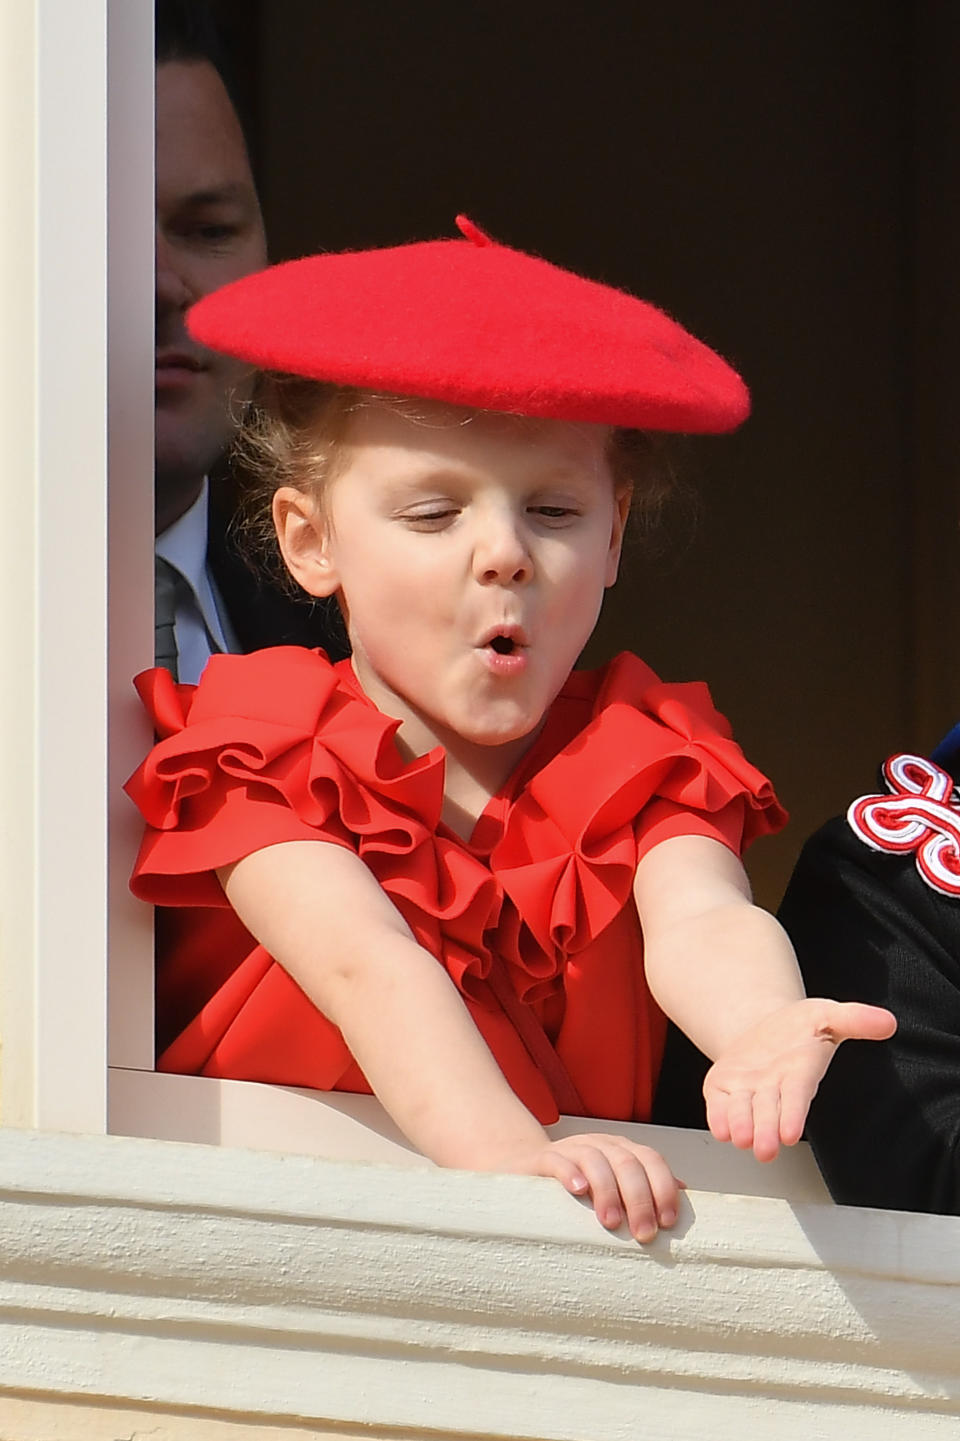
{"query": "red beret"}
pixel 478 324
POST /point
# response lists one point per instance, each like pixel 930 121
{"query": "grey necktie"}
pixel 167 584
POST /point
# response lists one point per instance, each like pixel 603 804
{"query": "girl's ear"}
pixel 620 514
pixel 303 535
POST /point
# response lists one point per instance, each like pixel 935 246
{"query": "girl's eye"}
pixel 434 518
pixel 555 514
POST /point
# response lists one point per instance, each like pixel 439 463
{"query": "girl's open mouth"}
pixel 505 654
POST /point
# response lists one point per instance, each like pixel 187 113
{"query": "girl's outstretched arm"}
pixel 319 912
pixel 725 972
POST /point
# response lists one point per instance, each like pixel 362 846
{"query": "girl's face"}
pixel 470 553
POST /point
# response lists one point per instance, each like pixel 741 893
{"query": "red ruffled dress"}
pixel 533 917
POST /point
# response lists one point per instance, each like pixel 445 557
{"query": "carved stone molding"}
pixel 304 1292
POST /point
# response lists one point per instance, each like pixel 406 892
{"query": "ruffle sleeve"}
pixel 652 761
pixel 240 766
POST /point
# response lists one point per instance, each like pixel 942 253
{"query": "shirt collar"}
pixel 184 543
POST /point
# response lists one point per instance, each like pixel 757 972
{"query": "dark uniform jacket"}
pixel 869 925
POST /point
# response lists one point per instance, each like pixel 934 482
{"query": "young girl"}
pixel 455 464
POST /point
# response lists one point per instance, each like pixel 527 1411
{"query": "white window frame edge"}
pixel 69 141
pixel 77 151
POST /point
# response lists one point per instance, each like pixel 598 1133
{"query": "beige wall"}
pixel 779 177
pixel 29 1419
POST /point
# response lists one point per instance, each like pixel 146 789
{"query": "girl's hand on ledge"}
pixel 624 1180
pixel 758 1091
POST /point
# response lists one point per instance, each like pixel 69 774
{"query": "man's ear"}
pixel 303 535
pixel 621 512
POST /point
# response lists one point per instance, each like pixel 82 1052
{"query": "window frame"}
pixel 77 149
pixel 77 157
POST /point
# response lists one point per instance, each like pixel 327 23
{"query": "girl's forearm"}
pixel 417 1045
pixel 726 973
pixel 719 972
pixel 324 918
pixel 715 963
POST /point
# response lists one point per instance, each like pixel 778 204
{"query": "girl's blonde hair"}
pixel 294 433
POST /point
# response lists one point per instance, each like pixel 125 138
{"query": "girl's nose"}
pixel 501 556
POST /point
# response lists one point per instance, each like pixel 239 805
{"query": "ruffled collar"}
pixel 566 719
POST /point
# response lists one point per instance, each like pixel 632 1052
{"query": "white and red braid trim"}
pixel 921 814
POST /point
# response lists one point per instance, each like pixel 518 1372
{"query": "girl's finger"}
pixel 664 1186
pixel 766 1124
pixel 740 1119
pixel 565 1170
pixel 636 1194
pixel 795 1098
pixel 604 1190
pixel 718 1113
pixel 854 1020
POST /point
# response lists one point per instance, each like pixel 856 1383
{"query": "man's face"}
pixel 209 231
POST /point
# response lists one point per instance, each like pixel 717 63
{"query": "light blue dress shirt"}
pixel 201 616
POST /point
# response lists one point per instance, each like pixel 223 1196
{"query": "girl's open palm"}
pixel 759 1089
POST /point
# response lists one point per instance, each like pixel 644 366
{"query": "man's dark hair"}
pixel 188 30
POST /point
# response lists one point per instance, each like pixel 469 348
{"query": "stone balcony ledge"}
pixel 359 1298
